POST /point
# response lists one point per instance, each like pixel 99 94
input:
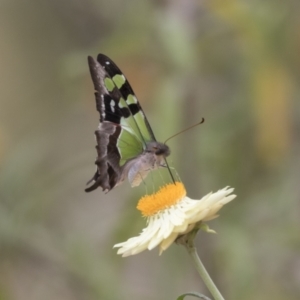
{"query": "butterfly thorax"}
pixel 157 148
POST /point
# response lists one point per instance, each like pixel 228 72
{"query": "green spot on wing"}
pixel 130 125
pixel 122 103
pixel 129 146
pixel 135 124
pixel 131 99
pixel 119 80
pixel 109 84
pixel 140 120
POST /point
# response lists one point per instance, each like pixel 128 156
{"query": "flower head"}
pixel 170 213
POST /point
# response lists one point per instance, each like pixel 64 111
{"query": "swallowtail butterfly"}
pixel 126 145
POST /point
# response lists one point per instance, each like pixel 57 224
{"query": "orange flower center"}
pixel 165 197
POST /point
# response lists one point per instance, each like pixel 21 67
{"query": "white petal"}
pixel 167 242
pixel 176 216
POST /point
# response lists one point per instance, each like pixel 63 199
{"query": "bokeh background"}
pixel 234 62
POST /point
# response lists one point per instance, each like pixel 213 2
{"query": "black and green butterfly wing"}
pixel 124 132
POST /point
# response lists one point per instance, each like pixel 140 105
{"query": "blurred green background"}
pixel 235 63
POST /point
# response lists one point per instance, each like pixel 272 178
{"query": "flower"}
pixel 170 213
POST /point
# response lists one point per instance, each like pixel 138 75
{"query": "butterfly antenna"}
pixel 184 130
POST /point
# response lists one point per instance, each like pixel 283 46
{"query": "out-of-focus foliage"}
pixel 234 62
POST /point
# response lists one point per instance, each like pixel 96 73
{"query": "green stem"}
pixel 202 271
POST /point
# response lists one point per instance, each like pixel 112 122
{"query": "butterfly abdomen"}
pixel 152 158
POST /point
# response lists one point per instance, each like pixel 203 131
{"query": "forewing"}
pixel 120 87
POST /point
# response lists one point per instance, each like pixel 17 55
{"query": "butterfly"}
pixel 126 146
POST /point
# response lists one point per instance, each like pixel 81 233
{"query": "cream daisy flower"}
pixel 170 213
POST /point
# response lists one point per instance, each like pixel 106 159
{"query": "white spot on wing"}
pixel 112 105
pixel 102 106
